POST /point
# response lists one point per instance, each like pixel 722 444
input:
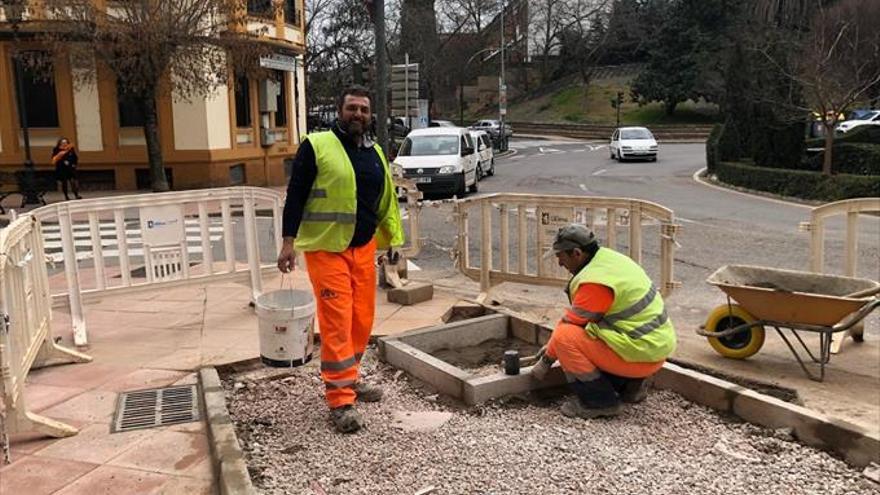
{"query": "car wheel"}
pixel 491 168
pixel 461 190
pixel 611 152
pixel 654 159
pixel 479 175
pixel 475 187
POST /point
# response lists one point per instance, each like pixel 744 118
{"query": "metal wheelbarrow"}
pixel 785 300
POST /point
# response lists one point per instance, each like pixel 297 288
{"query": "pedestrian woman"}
pixel 65 160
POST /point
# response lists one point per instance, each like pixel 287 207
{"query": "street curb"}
pixel 698 177
pixel 853 443
pixel 227 459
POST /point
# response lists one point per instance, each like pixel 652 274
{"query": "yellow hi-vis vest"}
pixel 636 326
pixel 331 210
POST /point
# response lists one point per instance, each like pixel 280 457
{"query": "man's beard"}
pixel 353 127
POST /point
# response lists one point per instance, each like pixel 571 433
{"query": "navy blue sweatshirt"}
pixel 369 178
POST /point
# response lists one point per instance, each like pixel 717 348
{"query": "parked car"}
pixel 633 142
pixel 485 153
pixel 493 127
pixel 867 118
pixel 441 123
pixel 439 159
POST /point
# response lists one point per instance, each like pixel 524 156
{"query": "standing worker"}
pixel 616 333
pixel 341 206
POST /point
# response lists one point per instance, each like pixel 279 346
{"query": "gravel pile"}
pixel 666 445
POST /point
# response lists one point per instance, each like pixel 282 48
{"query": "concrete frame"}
pixel 410 352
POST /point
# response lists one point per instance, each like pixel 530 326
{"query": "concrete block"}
pixel 697 387
pixel 412 293
pixel 444 377
pixel 524 330
pixel 460 334
pixel 855 444
pixel 481 389
pixel 465 311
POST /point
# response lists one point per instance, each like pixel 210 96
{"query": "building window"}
pixel 40 103
pixel 291 12
pixel 281 101
pixel 261 8
pixel 130 108
pixel 242 102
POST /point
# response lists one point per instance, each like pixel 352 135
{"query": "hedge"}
pixel 798 183
pixel 849 158
pixel 712 147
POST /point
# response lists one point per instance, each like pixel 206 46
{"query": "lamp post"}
pixel 502 87
pixel 14 13
pixel 461 85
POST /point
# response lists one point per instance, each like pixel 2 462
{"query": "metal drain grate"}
pixel 156 407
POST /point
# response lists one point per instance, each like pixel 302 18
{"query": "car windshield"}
pixel 636 134
pixel 429 145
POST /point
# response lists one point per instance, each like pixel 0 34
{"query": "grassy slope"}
pixel 571 105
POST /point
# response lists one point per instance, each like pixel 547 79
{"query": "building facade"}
pixel 243 133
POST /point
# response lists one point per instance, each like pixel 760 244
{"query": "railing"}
pixel 816 227
pixel 521 257
pixel 25 338
pixel 132 243
pixel 128 243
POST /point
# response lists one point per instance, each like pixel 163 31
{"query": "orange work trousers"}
pixel 345 290
pixel 582 357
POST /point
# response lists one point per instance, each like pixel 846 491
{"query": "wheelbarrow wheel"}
pixel 739 345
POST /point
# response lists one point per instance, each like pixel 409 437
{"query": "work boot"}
pixel 630 390
pixel 368 393
pixel 573 408
pixel 635 390
pixel 346 419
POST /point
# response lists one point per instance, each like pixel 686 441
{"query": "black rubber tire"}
pixel 479 173
pixel 461 190
pixel 491 171
pixel 476 187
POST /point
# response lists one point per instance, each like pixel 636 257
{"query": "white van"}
pixel 439 159
pixel 485 153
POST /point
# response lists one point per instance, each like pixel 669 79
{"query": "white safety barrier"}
pixel 25 337
pixel 816 227
pixel 136 242
pixel 852 208
pixel 140 242
pixel 536 219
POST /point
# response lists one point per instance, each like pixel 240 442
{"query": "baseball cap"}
pixel 569 237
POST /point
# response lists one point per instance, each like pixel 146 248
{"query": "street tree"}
pixel 183 49
pixel 585 37
pixel 834 64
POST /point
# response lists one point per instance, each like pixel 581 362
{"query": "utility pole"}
pixel 381 103
pixel 502 87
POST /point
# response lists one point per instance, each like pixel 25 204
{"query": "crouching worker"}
pixel 616 333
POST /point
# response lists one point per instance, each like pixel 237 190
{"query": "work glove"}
pixel 543 364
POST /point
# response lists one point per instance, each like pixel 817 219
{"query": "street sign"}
pixel 278 61
pixel 404 89
pixel 502 99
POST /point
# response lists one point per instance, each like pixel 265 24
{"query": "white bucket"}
pixel 287 327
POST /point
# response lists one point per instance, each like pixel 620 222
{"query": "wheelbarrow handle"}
pixel 856 316
pixel 864 293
